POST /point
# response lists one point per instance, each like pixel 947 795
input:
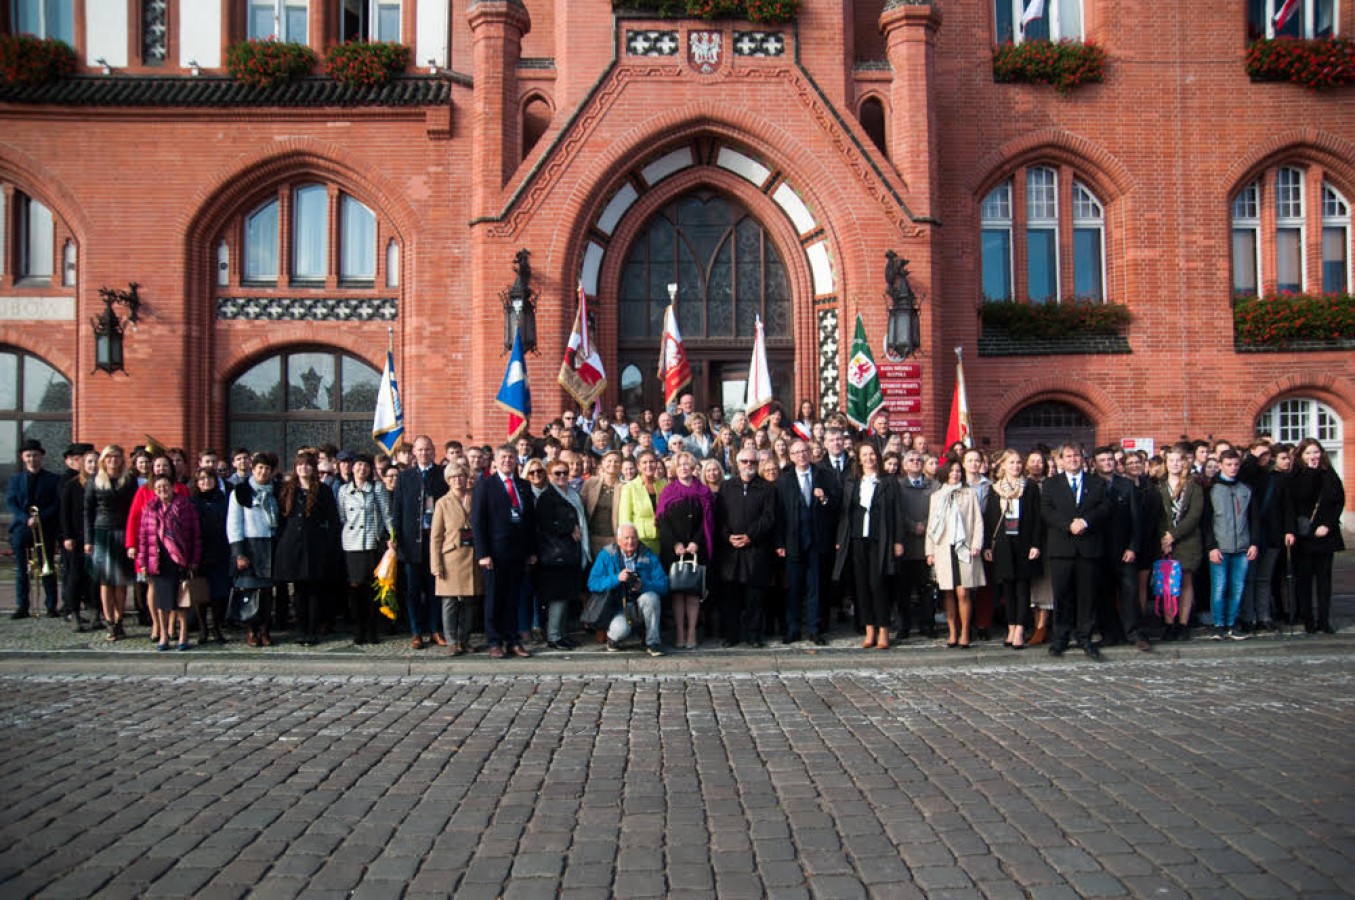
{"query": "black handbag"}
pixel 243 606
pixel 687 576
pixel 1304 526
pixel 600 608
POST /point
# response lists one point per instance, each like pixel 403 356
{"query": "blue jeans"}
pixel 619 629
pixel 1226 583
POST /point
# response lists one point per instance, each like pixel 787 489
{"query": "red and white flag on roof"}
pixel 758 396
pixel 1286 12
pixel 1034 10
pixel 581 372
pixel 674 370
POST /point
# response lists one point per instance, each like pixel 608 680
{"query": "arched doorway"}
pixel 304 397
pixel 728 272
pixel 1049 423
pixel 35 402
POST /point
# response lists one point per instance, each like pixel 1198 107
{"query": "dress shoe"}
pixel 455 649
pixel 19 614
pixel 1093 652
pixel 790 639
pixel 820 640
pixel 439 639
pixel 496 652
pixel 521 652
pixel 568 643
pixel 1326 629
pixel 1142 645
pixel 729 642
pixel 1057 649
pixel 613 646
pixel 556 645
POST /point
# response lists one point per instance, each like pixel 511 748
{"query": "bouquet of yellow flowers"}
pixel 385 584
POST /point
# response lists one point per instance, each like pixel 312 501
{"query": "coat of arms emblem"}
pixel 703 51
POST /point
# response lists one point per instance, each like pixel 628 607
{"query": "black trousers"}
pixel 1312 588
pixel 77 588
pixel 503 590
pixel 873 598
pixel 1120 601
pixel 309 596
pixel 1015 596
pixel 1074 581
pixel 742 613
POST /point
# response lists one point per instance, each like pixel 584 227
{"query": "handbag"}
pixel 1303 526
pixel 193 592
pixel 600 607
pixel 687 576
pixel 1167 587
pixel 243 606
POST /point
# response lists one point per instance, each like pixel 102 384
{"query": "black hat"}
pixel 362 457
pixel 346 455
pixel 32 444
pixel 79 449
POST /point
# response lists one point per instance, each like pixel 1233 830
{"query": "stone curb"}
pixel 632 662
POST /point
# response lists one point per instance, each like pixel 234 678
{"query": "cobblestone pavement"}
pixel 1222 777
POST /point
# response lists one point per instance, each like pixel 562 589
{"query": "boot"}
pixel 1039 636
pixel 251 638
pixel 265 639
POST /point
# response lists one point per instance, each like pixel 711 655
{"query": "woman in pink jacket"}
pixel 168 549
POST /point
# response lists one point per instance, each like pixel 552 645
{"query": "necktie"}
pixel 806 489
pixel 512 492
pixel 917 482
pixel 1077 489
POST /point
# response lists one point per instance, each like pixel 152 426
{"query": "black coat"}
pixel 746 508
pixel 73 513
pixel 496 535
pixel 412 488
pixel 1011 553
pixel 211 508
pixel 886 523
pixel 1319 496
pixel 1058 508
pixel 806 529
pixel 308 546
pixel 1125 525
pixel 555 523
pixel 681 523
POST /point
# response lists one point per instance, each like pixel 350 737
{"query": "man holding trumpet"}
pixel 34 499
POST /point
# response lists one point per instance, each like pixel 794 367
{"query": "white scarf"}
pixel 950 511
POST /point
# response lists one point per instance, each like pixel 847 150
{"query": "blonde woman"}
pixel 453 559
pixel 1179 530
pixel 1013 534
pixel 107 505
pixel 640 498
pixel 954 549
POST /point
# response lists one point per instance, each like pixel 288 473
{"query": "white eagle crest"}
pixel 705 50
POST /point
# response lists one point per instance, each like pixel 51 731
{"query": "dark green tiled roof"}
pixel 216 91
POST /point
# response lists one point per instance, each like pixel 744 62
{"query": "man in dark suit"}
pixel 745 524
pixel 1074 507
pixel 33 487
pixel 809 504
pixel 913 578
pixel 838 464
pixel 503 527
pixel 417 491
pixel 1125 539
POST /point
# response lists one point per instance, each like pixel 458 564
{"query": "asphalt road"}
pixel 1156 777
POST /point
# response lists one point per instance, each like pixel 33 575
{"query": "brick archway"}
pixel 1092 400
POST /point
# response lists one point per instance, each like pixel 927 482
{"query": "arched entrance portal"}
pixel 1049 423
pixel 728 272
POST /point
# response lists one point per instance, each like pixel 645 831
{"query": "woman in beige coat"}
pixel 453 560
pixel 955 549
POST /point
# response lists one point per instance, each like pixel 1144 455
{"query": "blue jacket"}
pixel 606 568
pixel 46 497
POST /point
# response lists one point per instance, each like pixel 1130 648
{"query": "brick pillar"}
pixel 910 43
pixel 497 27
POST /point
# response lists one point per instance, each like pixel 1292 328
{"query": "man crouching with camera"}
pixel 635 573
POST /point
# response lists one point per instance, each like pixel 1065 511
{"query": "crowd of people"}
pixel 682 524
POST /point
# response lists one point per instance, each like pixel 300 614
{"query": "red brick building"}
pixel 277 236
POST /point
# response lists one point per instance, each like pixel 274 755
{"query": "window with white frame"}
pixel 371 20
pixel 44 18
pixel 37 251
pixel 1247 240
pixel 1335 241
pixel 1089 241
pixel 1057 20
pixel 1058 217
pixel 303 254
pixel 1309 19
pixel 1042 235
pixel 1289 230
pixel 285 20
pixel 997 243
pixel 35 240
pixel 1296 418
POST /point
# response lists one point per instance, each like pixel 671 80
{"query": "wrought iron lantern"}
pixel 519 305
pixel 109 328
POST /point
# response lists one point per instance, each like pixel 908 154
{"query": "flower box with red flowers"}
pixel 359 64
pixel 1065 64
pixel 1317 65
pixel 1282 320
pixel 27 60
pixel 264 63
pixel 766 12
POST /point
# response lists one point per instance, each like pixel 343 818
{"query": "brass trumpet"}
pixel 39 564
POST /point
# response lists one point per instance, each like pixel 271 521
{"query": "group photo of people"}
pixel 679 531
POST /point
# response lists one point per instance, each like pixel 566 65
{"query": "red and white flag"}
pixel 959 428
pixel 758 395
pixel 1285 13
pixel 674 370
pixel 581 372
pixel 1034 10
